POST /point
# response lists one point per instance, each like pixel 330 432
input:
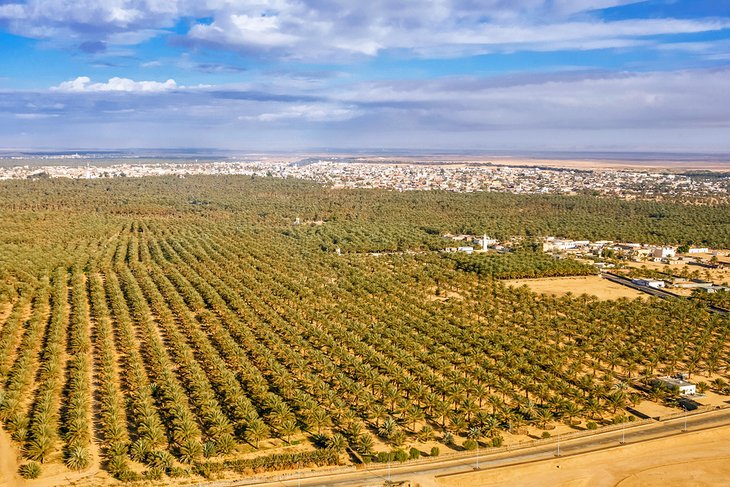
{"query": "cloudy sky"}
pixel 414 74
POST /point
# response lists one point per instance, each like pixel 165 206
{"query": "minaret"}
pixel 484 243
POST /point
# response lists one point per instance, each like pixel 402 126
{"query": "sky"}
pixel 281 75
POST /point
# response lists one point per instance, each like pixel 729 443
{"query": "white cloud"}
pixel 342 29
pixel 83 84
pixel 35 116
pixel 307 112
pixel 568 101
pixel 678 110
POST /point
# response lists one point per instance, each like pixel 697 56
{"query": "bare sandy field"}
pixel 639 165
pixel 593 285
pixel 717 276
pixel 695 458
pixel 8 461
pixel 654 165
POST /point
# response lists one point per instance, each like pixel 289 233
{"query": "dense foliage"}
pixel 521 263
pixel 183 324
pixel 720 298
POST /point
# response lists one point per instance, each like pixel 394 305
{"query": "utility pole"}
pixel 477 454
pixel 558 453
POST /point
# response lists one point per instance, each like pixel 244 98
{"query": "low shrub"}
pixel 31 470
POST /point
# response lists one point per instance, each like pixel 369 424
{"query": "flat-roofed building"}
pixel 678 384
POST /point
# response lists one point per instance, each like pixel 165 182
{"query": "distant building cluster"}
pixel 637 252
pixel 400 176
pixel 602 251
pixel 484 243
pixel 510 179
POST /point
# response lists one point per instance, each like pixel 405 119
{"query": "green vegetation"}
pixel 30 470
pixel 720 298
pixel 520 264
pixel 204 339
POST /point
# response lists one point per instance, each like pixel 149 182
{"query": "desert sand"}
pixel 8 461
pixel 593 285
pixel 695 458
pixel 666 163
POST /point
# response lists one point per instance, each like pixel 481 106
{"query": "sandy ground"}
pixel 594 285
pixel 654 410
pixel 718 276
pixel 695 458
pixel 663 163
pixel 8 461
pixel 659 164
pixel 643 165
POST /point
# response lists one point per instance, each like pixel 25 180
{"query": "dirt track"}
pixel 8 461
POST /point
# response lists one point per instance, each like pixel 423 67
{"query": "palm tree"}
pixel 426 433
pixel 363 444
pixel 379 412
pixel 387 428
pixel 544 416
pixel 593 407
pixel 616 400
pixel 571 411
pixel 336 442
pixel 458 424
pixel 528 410
pixel 287 428
pixel 413 415
pixel 256 431
pixel 496 402
pixel 469 408
pixel 318 418
pixel 490 425
pixel 441 411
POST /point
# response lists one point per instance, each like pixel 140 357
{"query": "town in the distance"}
pixel 460 174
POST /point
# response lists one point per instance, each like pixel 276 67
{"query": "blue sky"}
pixel 429 74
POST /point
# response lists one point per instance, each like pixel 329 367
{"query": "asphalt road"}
pixel 376 474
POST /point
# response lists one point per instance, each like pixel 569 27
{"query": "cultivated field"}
pixel 591 285
pixel 178 330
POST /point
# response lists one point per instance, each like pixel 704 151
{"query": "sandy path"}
pixel 8 461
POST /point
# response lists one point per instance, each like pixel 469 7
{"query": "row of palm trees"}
pixel 21 373
pixel 113 425
pixel 41 439
pixel 208 341
pixel 76 411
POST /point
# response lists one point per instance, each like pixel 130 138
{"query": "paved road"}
pixel 376 475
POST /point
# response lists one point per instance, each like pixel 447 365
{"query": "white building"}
pixel 486 241
pixel 468 250
pixel 678 384
pixel 663 252
pixel 648 282
pixel 702 250
pixel 557 244
pixel 715 289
